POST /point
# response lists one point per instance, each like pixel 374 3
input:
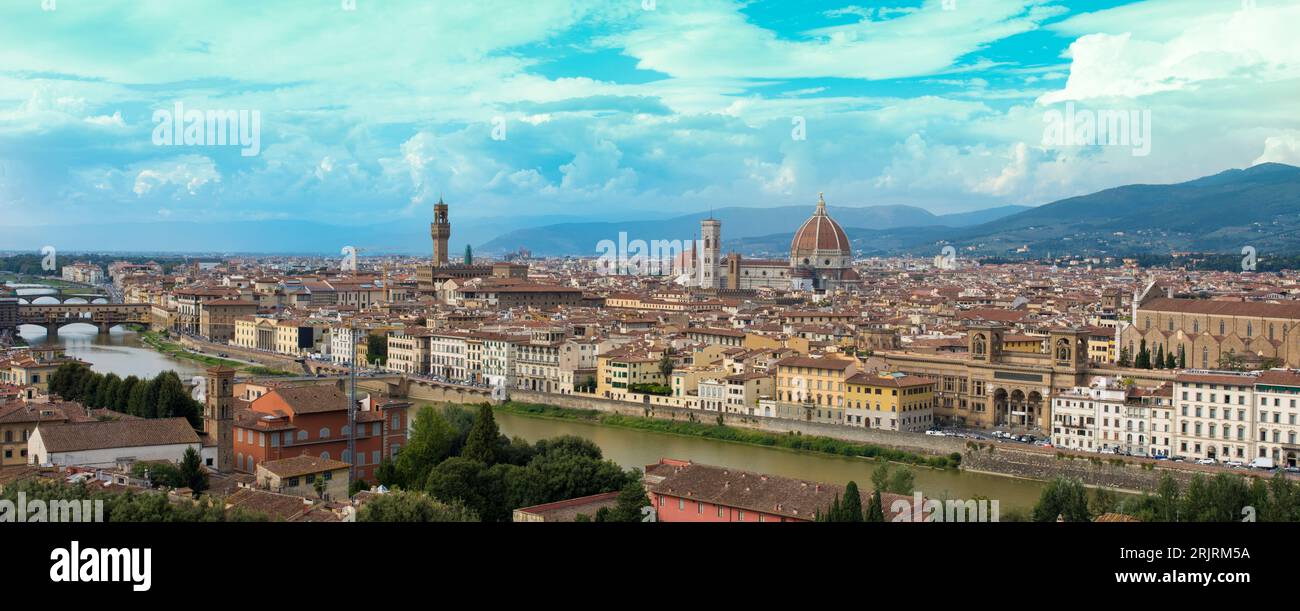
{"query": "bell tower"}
pixel 440 231
pixel 710 266
pixel 218 415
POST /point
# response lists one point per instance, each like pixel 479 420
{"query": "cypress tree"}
pixel 876 510
pixel 481 444
pixel 852 505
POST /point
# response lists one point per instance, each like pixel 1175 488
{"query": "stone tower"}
pixel 711 251
pixel 218 415
pixel 440 230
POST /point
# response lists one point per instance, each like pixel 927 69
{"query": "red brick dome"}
pixel 819 236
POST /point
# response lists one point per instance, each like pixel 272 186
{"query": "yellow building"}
pixel 812 388
pixel 618 370
pixel 891 401
pixel 32 367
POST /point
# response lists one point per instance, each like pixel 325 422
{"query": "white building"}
pixel 448 355
pixel 1212 417
pixel 343 344
pixel 113 443
pixel 1276 395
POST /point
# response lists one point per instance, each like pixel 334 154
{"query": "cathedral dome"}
pixel 820 242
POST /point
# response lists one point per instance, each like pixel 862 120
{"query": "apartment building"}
pixel 745 390
pixel 409 351
pixel 1213 416
pixel 217 318
pixel 85 273
pixel 890 401
pixel 622 368
pixel 312 420
pixel 1277 392
pixel 537 361
pixel 813 388
pixel 449 355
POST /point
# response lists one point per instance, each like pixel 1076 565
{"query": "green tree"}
pixel 852 505
pixel 1103 501
pixel 1182 357
pixel 123 398
pixel 481 445
pixel 631 499
pixel 666 366
pixel 1125 359
pixel 1143 358
pixel 880 477
pixel 876 510
pixel 833 513
pixel 1168 499
pixel 377 349
pixel 1062 497
pixel 1160 357
pixel 410 506
pixel 901 481
pixel 431 442
pixel 192 474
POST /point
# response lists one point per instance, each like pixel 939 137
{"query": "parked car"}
pixel 1206 461
pixel 934 433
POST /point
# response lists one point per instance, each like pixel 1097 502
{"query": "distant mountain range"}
pixel 738 223
pixel 1258 206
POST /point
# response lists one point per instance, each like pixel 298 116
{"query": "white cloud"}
pixel 187 174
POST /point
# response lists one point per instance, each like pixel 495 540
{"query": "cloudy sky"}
pixel 623 107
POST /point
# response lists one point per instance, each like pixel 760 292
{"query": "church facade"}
pixel 1212 334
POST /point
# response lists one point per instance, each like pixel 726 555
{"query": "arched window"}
pixel 1250 329
pixel 324 432
pixel 1196 326
pixel 325 455
pixel 1222 328
pixel 302 435
pixel 347 456
pixel 1205 357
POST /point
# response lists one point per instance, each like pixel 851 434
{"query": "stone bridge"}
pixel 416 389
pixel 102 315
pixel 65 294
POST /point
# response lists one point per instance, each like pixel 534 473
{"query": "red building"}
pixel 313 420
pixel 682 491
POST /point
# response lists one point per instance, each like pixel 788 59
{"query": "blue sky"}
pixel 623 107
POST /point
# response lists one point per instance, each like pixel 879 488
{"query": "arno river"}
pixel 121 352
pixel 633 448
